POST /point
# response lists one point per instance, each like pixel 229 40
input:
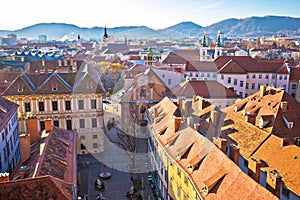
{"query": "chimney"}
pixel 65 62
pixel 283 106
pixel 32 129
pixel 180 102
pixel 48 125
pixel 273 180
pixel 234 153
pixel 262 90
pixel 59 62
pixel 213 116
pixel 197 127
pixel 43 61
pixel 4 177
pixel 22 171
pixel 177 122
pixel 71 61
pixel 251 118
pixel 254 168
pixel 220 143
pixel 25 147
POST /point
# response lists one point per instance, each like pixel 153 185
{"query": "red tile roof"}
pixel 295 74
pixel 212 172
pixel 206 89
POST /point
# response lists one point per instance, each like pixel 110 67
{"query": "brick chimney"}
pixel 32 129
pixel 254 166
pixel 220 143
pixel 262 90
pixel 283 106
pixel 274 181
pixel 177 122
pixel 4 177
pixel 213 116
pixel 234 153
pixel 25 147
pixel 22 171
pixel 48 125
pixel 197 127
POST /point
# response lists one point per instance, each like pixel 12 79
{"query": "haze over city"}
pixel 154 14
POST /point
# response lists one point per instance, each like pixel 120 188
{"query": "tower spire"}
pixel 204 44
pixel 218 43
pixel 105 32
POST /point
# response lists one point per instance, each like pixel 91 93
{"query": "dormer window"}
pixel 54 88
pixel 20 88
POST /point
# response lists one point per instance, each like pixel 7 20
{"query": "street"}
pixel 127 168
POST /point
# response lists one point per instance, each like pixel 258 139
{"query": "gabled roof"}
pixel 46 187
pixel 273 153
pixel 207 89
pixel 232 67
pixel 295 74
pixel 83 81
pixel 54 155
pixel 250 65
pixel 213 174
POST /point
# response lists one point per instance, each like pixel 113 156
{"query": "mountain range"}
pixel 246 27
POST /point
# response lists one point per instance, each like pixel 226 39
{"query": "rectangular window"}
pixel 185 180
pixel 93 104
pixel 95 145
pixel 54 106
pixel 55 123
pixel 294 86
pixel 260 76
pixel 267 76
pixel 42 125
pixel 235 81
pixel 94 123
pixel 82 137
pixel 280 77
pixel 27 107
pixel 80 105
pixel 253 75
pixel 253 86
pixel 69 124
pixel 241 94
pixel 81 123
pixel 68 105
pixel 285 77
pixel 178 191
pixel 222 77
pixel 229 80
pixel 169 81
pixel 41 106
pixel 95 136
pixel 241 83
pixel 247 85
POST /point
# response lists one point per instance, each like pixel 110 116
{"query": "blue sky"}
pixel 154 14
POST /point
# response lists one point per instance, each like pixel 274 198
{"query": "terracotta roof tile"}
pixel 214 175
pixel 206 89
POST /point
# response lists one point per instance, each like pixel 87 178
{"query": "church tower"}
pixel 203 49
pixel 105 37
pixel 218 48
pixel 149 57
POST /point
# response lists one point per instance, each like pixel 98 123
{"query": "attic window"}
pixel 20 89
pixel 54 89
